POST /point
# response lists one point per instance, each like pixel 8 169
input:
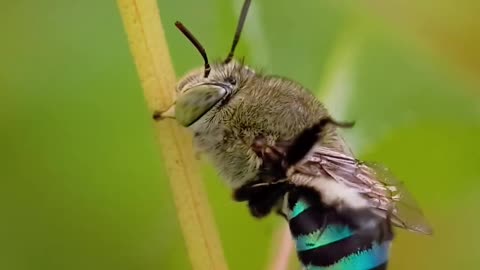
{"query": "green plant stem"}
pixel 149 48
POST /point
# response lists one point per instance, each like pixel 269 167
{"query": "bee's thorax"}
pixel 273 107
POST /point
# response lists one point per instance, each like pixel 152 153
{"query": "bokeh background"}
pixel 82 186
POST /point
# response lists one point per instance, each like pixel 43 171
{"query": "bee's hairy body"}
pixel 271 106
pixel 277 147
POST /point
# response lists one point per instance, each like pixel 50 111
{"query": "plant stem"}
pixel 148 45
pixel 284 249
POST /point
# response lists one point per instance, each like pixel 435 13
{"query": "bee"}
pixel 279 150
pixel 332 228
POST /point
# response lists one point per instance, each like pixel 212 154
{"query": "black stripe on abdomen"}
pixel 359 244
pixel 310 220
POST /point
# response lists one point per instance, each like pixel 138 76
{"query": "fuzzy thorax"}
pixel 274 107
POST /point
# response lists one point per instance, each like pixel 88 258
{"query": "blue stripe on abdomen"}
pixel 298 208
pixel 367 259
pixel 324 241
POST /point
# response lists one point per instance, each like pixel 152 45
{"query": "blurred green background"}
pixel 82 186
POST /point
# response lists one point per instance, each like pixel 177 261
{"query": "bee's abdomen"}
pixel 326 240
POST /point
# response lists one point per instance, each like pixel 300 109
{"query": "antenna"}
pixel 197 45
pixel 241 22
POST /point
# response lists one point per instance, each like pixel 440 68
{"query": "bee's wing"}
pixel 387 196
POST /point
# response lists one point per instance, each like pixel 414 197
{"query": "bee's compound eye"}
pixel 197 101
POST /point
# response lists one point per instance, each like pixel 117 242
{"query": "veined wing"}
pixel 387 196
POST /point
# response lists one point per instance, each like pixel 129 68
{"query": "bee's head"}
pixel 210 86
pixel 197 95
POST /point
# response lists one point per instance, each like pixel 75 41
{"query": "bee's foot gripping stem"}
pixel 157 116
pixel 169 113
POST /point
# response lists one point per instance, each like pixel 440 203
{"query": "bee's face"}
pixel 202 90
pixel 198 94
pixel 231 74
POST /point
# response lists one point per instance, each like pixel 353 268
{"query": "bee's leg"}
pixel 268 153
pixel 261 206
pixel 281 213
pixel 257 188
pixel 262 197
pixel 169 113
pixel 157 116
pixel 273 159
